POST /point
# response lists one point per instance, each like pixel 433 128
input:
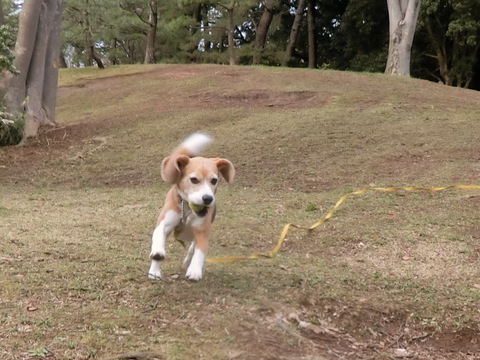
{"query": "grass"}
pixel 79 204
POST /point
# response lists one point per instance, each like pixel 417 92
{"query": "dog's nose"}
pixel 207 199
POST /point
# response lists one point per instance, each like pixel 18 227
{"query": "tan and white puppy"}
pixel 189 207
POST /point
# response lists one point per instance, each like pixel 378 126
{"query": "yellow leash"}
pixel 277 247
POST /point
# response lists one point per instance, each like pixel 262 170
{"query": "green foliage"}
pixel 362 39
pixel 40 352
pixel 451 28
pixel 311 207
pixel 464 31
pixel 6 56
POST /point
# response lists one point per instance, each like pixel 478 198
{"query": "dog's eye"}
pixel 214 181
pixel 194 180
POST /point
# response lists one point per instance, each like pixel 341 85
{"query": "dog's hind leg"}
pixel 159 237
pixel 188 258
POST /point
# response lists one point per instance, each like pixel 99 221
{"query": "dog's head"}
pixel 197 178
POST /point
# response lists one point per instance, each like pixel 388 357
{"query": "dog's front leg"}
pixel 195 269
pixel 159 237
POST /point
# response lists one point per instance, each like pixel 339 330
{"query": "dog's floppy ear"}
pixel 172 167
pixel 226 168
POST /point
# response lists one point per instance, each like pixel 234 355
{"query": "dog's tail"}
pixel 194 144
pixel 190 147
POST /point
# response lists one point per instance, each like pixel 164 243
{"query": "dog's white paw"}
pixel 194 273
pixel 154 272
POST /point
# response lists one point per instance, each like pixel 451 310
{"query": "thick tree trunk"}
pixel 151 33
pixel 27 34
pixel 403 15
pixel 262 30
pixel 312 44
pixel 292 40
pixel 35 112
pixel 33 92
pixel 53 63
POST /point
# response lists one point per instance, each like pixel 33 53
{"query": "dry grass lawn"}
pixel 391 275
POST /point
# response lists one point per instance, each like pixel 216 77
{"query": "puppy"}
pixel 189 207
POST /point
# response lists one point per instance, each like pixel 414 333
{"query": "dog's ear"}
pixel 172 168
pixel 226 168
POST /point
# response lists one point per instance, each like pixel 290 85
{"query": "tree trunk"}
pixel 403 15
pixel 63 62
pixel 312 44
pixel 88 35
pixel 441 51
pixel 33 92
pixel 292 41
pixel 94 57
pixel 27 33
pixel 53 62
pixel 230 32
pixel 35 112
pixel 2 15
pixel 89 45
pixel 262 30
pixel 151 33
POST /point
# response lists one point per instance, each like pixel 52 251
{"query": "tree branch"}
pixel 126 8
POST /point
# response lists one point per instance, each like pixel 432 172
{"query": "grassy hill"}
pixel 390 272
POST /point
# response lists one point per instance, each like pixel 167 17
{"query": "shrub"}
pixel 11 129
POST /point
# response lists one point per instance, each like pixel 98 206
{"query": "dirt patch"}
pixel 474 232
pixel 266 98
pixel 465 341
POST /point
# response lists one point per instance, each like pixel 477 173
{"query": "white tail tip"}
pixel 195 143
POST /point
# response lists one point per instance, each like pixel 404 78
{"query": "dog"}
pixel 189 207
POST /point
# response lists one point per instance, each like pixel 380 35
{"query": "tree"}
pixel 361 42
pixel 312 44
pixel 147 13
pixel 224 27
pixel 403 15
pixel 292 40
pixel 81 28
pixel 229 9
pixel 88 37
pixel 151 32
pixel 34 90
pixel 452 32
pixel 261 29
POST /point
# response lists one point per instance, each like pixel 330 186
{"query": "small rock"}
pixel 400 353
